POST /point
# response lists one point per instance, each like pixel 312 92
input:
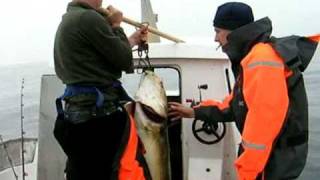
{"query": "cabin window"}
pixel 169 76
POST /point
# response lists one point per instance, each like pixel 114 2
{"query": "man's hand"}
pixel 115 16
pixel 140 36
pixel 178 111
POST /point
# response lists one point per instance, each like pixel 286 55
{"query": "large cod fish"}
pixel 151 122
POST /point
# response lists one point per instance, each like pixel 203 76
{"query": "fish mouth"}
pixel 151 114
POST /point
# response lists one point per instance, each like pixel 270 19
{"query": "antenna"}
pixel 9 158
pixel 22 131
pixel 147 15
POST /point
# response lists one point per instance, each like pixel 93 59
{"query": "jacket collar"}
pixel 241 40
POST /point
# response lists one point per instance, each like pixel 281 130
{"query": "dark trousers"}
pixel 91 146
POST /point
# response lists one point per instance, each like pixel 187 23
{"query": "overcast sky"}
pixel 28 26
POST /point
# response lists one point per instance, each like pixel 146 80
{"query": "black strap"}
pixel 293 141
pixel 296 51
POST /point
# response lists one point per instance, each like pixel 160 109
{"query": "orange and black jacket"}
pixel 268 102
pixel 129 162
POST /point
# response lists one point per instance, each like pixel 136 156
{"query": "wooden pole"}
pixel 150 29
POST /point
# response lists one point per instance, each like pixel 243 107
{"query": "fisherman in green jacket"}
pixel 90 54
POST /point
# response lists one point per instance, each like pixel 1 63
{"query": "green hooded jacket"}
pixel 89 52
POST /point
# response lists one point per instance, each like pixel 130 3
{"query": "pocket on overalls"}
pixel 79 109
pixel 79 116
pixel 76 114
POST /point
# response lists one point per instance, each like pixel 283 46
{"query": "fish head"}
pixel 152 96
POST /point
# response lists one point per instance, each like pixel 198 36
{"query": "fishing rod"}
pixel 9 158
pixel 139 25
pixel 22 130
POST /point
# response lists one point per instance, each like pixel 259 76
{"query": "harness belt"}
pixel 73 90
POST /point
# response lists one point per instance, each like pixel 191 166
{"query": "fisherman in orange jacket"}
pixel 268 102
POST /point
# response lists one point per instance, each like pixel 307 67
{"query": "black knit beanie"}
pixel 233 15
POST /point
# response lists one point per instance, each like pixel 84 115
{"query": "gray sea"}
pixel 10 93
pixel 10 98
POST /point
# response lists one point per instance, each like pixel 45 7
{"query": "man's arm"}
pixel 208 110
pixel 214 111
